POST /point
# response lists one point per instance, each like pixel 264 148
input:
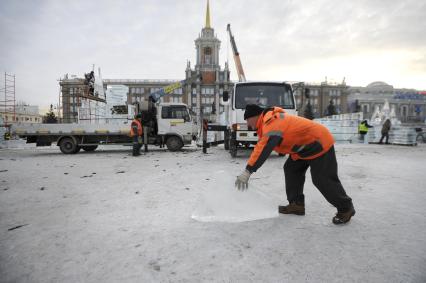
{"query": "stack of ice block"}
pixel 404 135
pixel 343 127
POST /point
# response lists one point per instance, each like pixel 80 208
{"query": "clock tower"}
pixel 204 94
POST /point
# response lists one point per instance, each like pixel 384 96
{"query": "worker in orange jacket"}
pixel 309 144
pixel 136 132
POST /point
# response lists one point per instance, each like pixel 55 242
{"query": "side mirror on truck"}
pixel 225 95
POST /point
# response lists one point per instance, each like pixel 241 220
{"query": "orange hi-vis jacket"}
pixel 136 123
pixel 288 134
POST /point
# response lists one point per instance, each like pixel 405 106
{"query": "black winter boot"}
pixel 292 208
pixel 344 217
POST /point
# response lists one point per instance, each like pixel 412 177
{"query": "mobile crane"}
pixel 167 124
pixel 237 60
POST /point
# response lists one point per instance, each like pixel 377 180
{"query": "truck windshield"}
pixel 265 95
pixel 175 112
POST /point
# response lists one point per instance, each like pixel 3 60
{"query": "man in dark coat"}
pixel 385 131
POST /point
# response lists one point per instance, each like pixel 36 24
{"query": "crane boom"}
pixel 170 88
pixel 237 60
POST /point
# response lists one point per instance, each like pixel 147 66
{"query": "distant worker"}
pixel 363 129
pixel 136 132
pixel 153 114
pixel 309 144
pixel 385 131
pixel 6 136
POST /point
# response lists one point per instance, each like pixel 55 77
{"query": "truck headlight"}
pixel 239 127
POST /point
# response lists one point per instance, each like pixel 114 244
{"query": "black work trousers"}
pixel 383 136
pixel 324 177
pixel 137 144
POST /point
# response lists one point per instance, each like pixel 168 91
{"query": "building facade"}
pixel 409 105
pixel 320 96
pixel 22 114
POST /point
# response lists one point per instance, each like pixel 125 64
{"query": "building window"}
pixel 207 109
pixel 207 100
pixel 404 111
pixel 177 99
pixel 312 92
pixel 207 90
pixel 365 108
pixel 178 91
pixel 207 55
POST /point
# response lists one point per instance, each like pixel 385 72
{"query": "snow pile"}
pixel 222 202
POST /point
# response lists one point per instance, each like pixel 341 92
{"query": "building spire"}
pixel 208 15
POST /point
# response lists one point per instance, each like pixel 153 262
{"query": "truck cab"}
pixel 264 94
pixel 175 125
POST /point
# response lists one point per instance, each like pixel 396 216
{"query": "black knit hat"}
pixel 252 110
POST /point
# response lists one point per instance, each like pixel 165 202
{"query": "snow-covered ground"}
pixel 176 217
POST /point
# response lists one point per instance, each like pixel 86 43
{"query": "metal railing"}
pixel 106 81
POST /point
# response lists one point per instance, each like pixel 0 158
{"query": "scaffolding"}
pixel 8 102
pixel 77 101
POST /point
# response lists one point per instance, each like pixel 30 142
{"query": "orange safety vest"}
pixel 301 138
pixel 138 125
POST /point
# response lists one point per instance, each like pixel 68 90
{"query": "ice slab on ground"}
pixel 222 202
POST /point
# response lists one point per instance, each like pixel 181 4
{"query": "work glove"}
pixel 242 180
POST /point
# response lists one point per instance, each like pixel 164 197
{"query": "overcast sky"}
pixel 362 40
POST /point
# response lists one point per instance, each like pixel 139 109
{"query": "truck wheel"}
pixel 226 140
pixel 68 146
pixel 174 143
pixel 89 147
